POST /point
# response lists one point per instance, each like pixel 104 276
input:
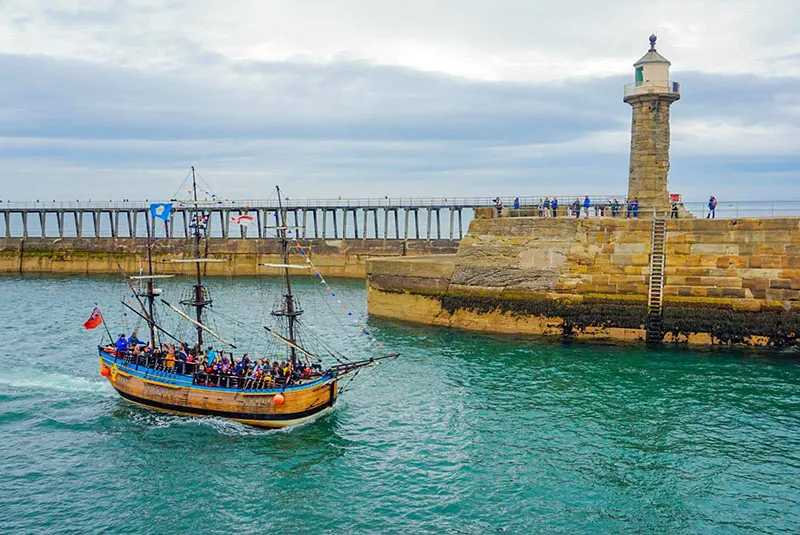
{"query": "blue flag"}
pixel 161 210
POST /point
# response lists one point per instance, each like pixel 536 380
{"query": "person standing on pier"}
pixel 586 204
pixel 555 207
pixel 712 207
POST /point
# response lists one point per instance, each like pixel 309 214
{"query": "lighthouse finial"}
pixel 653 41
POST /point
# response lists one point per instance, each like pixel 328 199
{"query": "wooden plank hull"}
pixel 176 395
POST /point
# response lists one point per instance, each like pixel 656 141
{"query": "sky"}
pixel 109 99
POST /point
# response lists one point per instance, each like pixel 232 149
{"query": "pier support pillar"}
pixel 185 215
pixel 149 222
pixel 452 217
pixel 60 221
pixel 96 223
pixel 385 225
pixel 43 222
pixel 366 214
pixel 115 224
pixel 428 226
pixel 133 216
pixel 78 223
pixel 396 224
pixel 7 219
pixel 460 231
pixel 316 230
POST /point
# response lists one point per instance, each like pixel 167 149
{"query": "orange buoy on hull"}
pixel 105 372
pixel 279 399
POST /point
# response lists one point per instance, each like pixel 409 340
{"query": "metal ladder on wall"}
pixel 655 294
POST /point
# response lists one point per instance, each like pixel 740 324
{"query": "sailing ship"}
pixel 304 387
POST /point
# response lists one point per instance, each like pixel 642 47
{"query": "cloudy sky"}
pixel 107 99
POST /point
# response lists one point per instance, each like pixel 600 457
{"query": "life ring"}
pixel 108 350
pixel 114 371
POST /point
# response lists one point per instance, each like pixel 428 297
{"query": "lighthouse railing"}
pixel 647 86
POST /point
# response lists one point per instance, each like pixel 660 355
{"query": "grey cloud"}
pixel 348 128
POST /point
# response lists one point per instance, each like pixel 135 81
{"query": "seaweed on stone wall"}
pixel 780 326
pixel 577 315
pixel 728 326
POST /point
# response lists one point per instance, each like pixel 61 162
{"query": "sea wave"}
pixel 54 382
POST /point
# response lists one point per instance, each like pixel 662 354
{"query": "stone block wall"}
pixel 343 258
pixel 727 281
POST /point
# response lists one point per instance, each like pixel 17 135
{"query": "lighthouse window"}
pixel 639 75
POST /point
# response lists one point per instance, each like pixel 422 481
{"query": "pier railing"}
pixel 288 203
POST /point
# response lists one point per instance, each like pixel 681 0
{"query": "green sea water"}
pixel 464 433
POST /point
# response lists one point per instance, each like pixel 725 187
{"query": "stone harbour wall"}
pixel 727 281
pixel 343 258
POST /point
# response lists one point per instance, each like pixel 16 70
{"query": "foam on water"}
pixel 58 382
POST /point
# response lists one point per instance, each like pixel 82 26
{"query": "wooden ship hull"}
pixel 176 394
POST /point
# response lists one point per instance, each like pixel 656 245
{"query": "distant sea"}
pixel 463 434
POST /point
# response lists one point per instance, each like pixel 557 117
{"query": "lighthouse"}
pixel 650 96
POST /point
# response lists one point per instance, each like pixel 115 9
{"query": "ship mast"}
pixel 200 300
pixel 151 296
pixel 289 309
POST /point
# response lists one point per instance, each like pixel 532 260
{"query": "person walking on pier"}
pixel 586 204
pixel 576 208
pixel 554 204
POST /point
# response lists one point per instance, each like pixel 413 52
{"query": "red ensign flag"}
pixel 94 320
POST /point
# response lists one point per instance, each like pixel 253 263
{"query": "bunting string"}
pixel 330 291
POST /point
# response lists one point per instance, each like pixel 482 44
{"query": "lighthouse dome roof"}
pixel 651 57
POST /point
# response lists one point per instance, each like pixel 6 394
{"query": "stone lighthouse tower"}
pixel 650 96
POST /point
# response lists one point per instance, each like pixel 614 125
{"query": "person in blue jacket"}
pixel 122 345
pixel 133 340
pixel 554 205
pixel 586 204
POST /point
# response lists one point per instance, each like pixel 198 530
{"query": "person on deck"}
pixel 133 341
pixel 169 360
pixel 122 345
pixel 211 355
